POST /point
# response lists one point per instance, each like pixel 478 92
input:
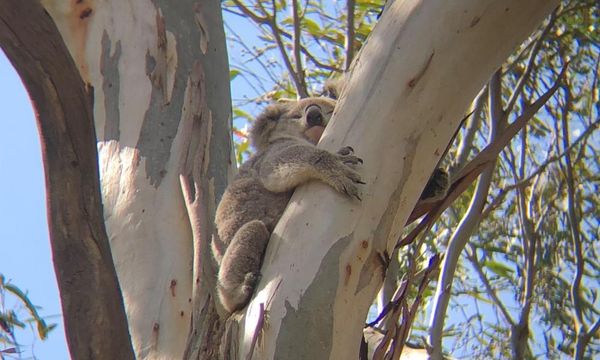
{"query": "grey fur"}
pixel 284 136
pixel 251 206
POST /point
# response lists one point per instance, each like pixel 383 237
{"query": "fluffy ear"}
pixel 264 124
pixel 333 87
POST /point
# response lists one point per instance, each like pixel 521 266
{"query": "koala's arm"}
pixel 289 165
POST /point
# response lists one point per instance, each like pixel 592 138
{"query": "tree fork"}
pixel 407 92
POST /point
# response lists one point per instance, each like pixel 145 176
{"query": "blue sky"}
pixel 25 248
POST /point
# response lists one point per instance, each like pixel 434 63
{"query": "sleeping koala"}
pixel 284 137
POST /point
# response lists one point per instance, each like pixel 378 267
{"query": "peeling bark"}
pixel 93 311
pixel 143 58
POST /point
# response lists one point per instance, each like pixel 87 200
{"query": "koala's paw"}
pixel 234 298
pixel 437 186
pixel 250 281
pixel 346 178
pixel 346 155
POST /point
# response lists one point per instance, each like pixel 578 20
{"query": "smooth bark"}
pixel 422 65
pixel 162 104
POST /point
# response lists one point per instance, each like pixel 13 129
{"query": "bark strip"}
pixel 92 304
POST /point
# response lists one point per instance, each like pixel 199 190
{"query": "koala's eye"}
pixel 295 115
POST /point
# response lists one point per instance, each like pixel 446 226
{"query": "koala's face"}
pixel 309 117
pixel 306 118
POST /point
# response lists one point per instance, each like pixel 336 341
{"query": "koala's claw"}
pixel 346 155
pixel 351 160
pixel 346 150
pixel 351 191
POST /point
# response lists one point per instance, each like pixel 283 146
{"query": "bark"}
pixel 159 71
pixel 421 67
pixel 93 311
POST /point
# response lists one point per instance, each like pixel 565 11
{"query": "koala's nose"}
pixel 314 116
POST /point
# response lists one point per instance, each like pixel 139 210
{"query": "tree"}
pixel 566 37
pixel 169 85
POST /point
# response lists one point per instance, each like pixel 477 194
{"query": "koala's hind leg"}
pixel 239 271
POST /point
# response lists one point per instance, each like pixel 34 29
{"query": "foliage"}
pixel 12 317
pixel 531 262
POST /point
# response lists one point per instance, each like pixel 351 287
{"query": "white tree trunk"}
pixel 422 65
pixel 139 55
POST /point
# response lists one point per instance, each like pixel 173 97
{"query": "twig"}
pixel 472 257
pixel 530 63
pixel 350 4
pixel 297 48
pixel 434 263
pixel 474 168
pixel 295 75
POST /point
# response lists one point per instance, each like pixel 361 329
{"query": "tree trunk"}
pixel 92 305
pixel 423 64
pixel 161 88
pixel 162 116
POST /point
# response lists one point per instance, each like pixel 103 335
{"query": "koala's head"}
pixel 306 118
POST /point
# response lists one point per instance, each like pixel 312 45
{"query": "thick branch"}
pixel 326 249
pixel 93 311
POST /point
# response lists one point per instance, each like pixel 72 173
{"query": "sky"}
pixel 25 256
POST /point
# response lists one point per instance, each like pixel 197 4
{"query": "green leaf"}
pixel 499 269
pixel 42 328
pixel 233 74
pixel 239 113
pixel 311 26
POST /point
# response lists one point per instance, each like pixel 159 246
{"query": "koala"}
pixel 285 137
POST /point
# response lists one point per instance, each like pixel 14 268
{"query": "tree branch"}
pixel 294 74
pixel 530 64
pixel 573 218
pixel 350 4
pixel 472 257
pixel 93 311
pixel 465 146
pixel 467 225
pixel 471 171
pixel 297 48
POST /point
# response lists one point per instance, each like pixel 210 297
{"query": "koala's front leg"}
pixel 286 169
pixel 239 270
pixel 338 176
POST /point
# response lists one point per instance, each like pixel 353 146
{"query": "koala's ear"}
pixel 264 124
pixel 333 87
